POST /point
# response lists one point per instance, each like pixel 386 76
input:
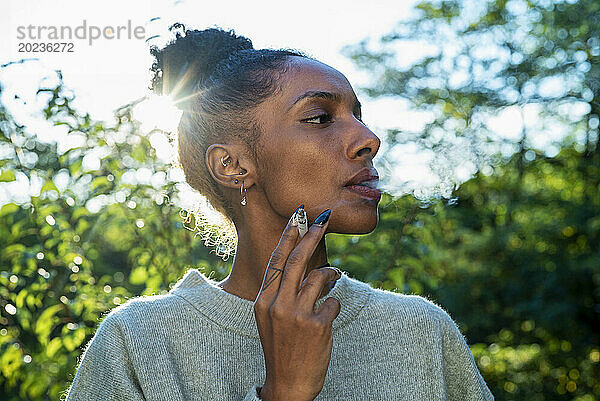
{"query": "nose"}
pixel 365 143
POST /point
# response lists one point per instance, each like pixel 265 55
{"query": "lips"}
pixel 366 192
pixel 365 183
pixel 366 176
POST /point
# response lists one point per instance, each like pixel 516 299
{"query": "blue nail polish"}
pixel 323 217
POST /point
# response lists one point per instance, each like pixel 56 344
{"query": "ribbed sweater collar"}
pixel 237 314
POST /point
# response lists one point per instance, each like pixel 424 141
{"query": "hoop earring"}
pixel 223 162
pixel 243 201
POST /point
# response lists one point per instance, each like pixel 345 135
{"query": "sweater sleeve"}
pixel 463 380
pixel 105 371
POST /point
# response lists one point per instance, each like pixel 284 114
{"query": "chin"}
pixel 363 223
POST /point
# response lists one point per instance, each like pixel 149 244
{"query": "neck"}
pixel 256 243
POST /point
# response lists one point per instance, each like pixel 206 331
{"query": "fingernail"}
pixel 294 218
pixel 323 217
pixel 339 272
pixel 293 221
pixel 302 221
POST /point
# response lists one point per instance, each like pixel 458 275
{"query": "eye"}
pixel 325 116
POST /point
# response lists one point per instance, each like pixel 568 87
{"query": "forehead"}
pixel 306 75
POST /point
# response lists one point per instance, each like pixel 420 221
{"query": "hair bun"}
pixel 186 62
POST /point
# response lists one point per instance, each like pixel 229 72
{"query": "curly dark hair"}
pixel 217 78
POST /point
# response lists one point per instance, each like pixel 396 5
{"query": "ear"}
pixel 238 165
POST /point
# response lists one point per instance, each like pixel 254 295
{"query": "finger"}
pixel 329 310
pixel 297 260
pixel 274 270
pixel 313 285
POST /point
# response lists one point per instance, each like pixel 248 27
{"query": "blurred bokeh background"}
pixel 488 112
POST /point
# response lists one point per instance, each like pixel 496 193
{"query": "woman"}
pixel 262 132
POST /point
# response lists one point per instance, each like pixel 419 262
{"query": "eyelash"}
pixel 325 115
pixel 319 116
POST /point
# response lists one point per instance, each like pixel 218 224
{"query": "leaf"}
pixel 11 361
pixel 34 301
pixel 48 186
pixel 46 322
pixel 20 299
pixel 8 209
pixel 7 176
pixel 80 212
pixel 138 276
pixel 98 182
pixel 75 168
pixel 49 209
pixel 53 346
pixel 10 250
pixel 74 340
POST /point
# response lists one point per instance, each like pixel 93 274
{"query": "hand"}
pixel 296 338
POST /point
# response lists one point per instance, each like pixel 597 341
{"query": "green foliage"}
pixel 526 251
pixel 62 267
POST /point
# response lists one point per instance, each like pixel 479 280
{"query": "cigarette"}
pixel 302 223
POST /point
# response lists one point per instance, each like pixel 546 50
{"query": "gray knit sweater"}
pixel 198 342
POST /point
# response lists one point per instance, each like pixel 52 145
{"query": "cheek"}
pixel 317 161
pixel 297 171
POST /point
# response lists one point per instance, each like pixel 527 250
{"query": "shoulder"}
pixel 141 312
pixel 138 318
pixel 410 309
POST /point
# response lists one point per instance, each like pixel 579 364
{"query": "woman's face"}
pixel 311 149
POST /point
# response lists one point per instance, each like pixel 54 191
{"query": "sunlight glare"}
pixel 157 112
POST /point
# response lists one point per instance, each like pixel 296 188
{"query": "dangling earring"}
pixel 243 201
pixel 242 191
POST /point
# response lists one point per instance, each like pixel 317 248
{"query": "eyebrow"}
pixel 334 97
